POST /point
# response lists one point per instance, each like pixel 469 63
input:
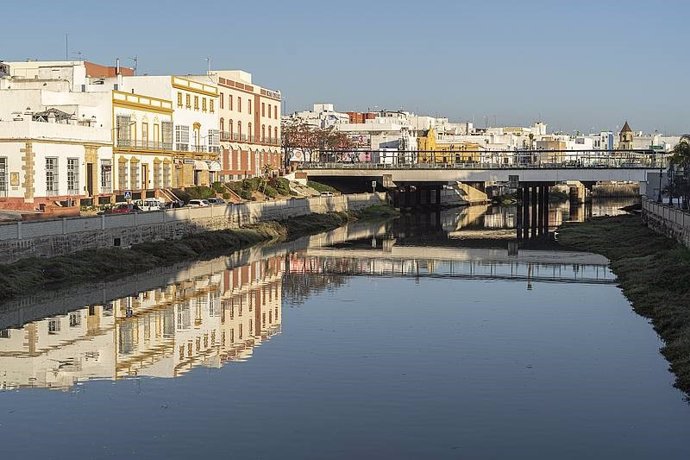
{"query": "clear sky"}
pixel 577 65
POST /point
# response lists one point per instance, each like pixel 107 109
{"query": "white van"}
pixel 150 204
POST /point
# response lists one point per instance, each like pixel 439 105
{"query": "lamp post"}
pixel 658 199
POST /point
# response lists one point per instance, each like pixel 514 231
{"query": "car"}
pixel 326 193
pixel 216 201
pixel 121 208
pixel 198 203
pixel 150 204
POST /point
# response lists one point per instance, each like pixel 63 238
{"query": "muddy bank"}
pixel 654 273
pixel 29 275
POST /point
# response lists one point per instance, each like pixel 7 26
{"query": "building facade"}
pixel 249 125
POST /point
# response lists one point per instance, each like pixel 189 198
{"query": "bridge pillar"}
pixel 407 196
pixel 525 212
pixel 535 209
pixel 428 196
pixel 545 202
pixel 520 205
pixel 438 196
pixel 540 213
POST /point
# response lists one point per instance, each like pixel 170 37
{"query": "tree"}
pixel 679 171
pixel 297 134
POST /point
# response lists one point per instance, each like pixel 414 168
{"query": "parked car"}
pixel 198 203
pixel 326 193
pixel 216 201
pixel 150 204
pixel 121 208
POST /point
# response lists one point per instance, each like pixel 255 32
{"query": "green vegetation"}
pixel 197 192
pixel 34 273
pixel 319 187
pixel 654 273
pixel 272 188
pixel 106 264
pixel 558 196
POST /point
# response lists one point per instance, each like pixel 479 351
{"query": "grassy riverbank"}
pixel 654 273
pixel 29 275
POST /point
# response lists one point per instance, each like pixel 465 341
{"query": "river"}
pixel 390 340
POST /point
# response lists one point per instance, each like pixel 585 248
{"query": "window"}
pixel 157 175
pixel 230 127
pixel 250 134
pixel 74 319
pixel 182 138
pixel 222 124
pixel 145 134
pixel 167 134
pixel 53 326
pixel 211 105
pixel 3 176
pixel 263 133
pixel 263 109
pixel 275 112
pixel 203 104
pixel 122 176
pixel 249 106
pixel 269 110
pixel 179 99
pixel 122 124
pixel 134 175
pixel 166 175
pixel 106 176
pixel 5 334
pixel 239 104
pixel 275 134
pixel 51 176
pixel 222 100
pixel 230 101
pixel 239 129
pixel 73 176
pixel 196 102
pixel 188 101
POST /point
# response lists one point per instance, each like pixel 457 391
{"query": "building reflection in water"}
pixel 207 320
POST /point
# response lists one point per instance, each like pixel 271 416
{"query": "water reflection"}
pixel 214 312
pixel 206 319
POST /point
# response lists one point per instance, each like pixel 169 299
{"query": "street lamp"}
pixel 658 199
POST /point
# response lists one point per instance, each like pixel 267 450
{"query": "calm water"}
pixel 354 344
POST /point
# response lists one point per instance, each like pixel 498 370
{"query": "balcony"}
pixel 144 145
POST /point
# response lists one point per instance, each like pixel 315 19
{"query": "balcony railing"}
pixel 144 145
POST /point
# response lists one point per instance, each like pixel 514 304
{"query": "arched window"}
pixel 222 125
pixel 239 129
pixel 275 137
pixel 231 127
pixel 250 134
pixel 263 133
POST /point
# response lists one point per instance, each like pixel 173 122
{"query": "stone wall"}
pixel 667 220
pixel 62 236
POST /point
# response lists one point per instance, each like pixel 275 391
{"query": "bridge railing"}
pixel 467 159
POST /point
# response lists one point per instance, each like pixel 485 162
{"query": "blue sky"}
pixel 577 65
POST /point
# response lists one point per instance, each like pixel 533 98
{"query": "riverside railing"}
pixel 669 214
pixel 237 214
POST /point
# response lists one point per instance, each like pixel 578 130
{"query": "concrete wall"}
pixel 63 236
pixel 667 220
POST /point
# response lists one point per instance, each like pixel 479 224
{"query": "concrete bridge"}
pixel 529 166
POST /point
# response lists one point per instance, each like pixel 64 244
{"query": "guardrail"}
pixel 237 214
pixel 668 220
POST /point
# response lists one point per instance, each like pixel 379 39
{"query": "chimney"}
pixel 117 66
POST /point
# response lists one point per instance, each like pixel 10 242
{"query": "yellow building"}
pixel 432 150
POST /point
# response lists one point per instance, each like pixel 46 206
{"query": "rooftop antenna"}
pixel 79 55
pixel 135 59
pixel 208 63
pixel 66 47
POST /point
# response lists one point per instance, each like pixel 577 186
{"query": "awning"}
pixel 200 165
pixel 214 166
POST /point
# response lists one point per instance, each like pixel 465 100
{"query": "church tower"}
pixel 625 138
